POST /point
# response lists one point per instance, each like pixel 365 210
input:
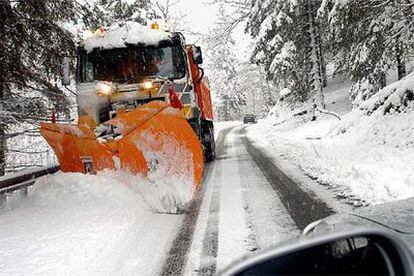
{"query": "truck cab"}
pixel 127 67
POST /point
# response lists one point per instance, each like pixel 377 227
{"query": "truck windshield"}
pixel 132 64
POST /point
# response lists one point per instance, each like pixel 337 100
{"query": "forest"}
pixel 296 46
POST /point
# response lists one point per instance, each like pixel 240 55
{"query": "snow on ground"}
pixel 366 159
pixel 76 224
pixel 219 126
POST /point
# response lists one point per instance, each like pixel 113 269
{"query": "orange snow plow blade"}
pixel 155 140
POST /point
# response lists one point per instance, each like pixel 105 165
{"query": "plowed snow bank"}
pixel 75 224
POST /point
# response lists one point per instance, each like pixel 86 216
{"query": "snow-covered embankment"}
pixel 368 155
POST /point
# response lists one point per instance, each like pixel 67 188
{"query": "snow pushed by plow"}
pixel 73 222
pixel 165 195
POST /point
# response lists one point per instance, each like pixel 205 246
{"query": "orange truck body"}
pixel 201 87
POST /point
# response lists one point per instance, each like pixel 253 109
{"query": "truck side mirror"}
pixel 66 71
pixel 197 55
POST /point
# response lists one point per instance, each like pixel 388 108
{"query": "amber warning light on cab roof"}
pixel 155 26
pixel 163 26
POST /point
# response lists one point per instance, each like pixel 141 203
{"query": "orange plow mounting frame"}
pixel 155 139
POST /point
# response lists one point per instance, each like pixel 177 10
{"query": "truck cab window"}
pixel 133 64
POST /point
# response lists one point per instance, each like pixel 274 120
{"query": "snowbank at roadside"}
pixel 74 224
pixel 367 157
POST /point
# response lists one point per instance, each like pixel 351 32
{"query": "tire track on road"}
pixel 210 241
pixel 303 207
pixel 178 253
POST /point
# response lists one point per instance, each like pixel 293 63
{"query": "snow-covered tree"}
pixel 107 12
pixel 222 64
pixel 260 94
pixel 369 38
pixel 222 67
pixel 33 44
pixel 289 46
pixel 173 15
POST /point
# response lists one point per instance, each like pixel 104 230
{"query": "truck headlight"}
pixel 147 85
pixel 103 89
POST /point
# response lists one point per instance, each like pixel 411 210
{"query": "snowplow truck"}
pixel 144 106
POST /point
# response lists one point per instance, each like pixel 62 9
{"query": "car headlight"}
pixel 103 89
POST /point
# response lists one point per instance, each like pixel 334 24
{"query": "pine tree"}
pixel 231 99
pixel 222 65
pixel 289 46
pixel 260 93
pixel 108 12
pixel 369 38
pixel 315 54
pixel 33 44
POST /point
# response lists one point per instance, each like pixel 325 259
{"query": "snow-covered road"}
pixel 240 213
pixel 105 227
pixel 247 204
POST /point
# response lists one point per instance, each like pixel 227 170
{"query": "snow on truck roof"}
pixel 118 36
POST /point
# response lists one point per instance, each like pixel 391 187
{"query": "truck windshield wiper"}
pixel 162 78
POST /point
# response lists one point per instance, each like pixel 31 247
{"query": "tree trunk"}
pixel 267 90
pixel 2 131
pixel 319 44
pixel 322 63
pixel 316 69
pixel 401 67
pixel 4 9
pixel 383 80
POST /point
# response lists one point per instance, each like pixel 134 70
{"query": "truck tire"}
pixel 195 125
pixel 209 144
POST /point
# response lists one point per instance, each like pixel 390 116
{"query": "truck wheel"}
pixel 195 125
pixel 209 144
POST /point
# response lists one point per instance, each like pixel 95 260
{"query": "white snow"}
pixel 252 217
pixel 129 33
pixel 169 159
pixel 392 97
pixel 76 224
pixel 281 59
pixel 219 126
pixel 364 157
pixel 285 91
